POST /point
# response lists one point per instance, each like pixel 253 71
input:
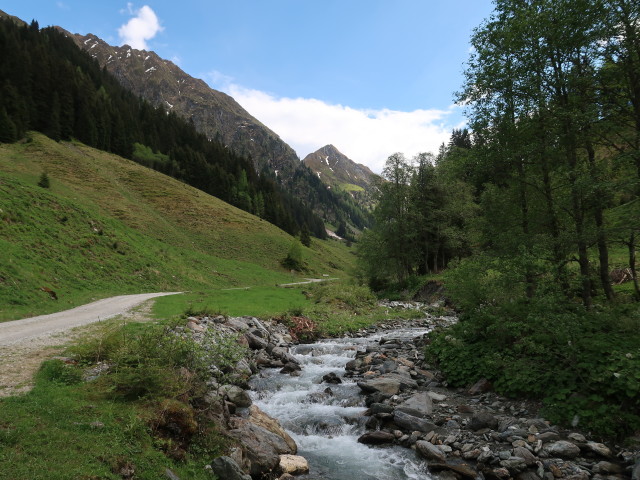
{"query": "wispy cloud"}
pixel 144 26
pixel 365 136
pixel 62 6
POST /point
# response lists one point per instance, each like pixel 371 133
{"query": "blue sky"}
pixel 372 77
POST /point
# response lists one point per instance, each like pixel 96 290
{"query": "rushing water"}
pixel 327 423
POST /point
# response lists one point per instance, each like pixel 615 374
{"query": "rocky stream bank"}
pixel 393 401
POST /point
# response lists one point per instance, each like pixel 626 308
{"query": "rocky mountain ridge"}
pixel 341 173
pixel 213 113
pixel 338 170
pixel 219 116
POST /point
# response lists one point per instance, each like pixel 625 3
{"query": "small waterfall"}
pixel 326 420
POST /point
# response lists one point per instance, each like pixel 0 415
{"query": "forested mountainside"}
pixel 219 117
pixel 52 86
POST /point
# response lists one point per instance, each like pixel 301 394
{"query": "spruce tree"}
pixel 305 236
pixel 8 132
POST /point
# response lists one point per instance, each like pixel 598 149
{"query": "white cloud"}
pixel 144 26
pixel 365 136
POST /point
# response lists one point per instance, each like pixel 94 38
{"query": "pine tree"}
pixel 53 130
pixel 305 236
pixel 8 131
pixel 44 181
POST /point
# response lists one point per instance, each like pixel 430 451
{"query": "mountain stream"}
pixel 326 420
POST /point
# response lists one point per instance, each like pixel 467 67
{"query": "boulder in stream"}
pixel 418 405
pixel 258 417
pixel 236 395
pixel 293 464
pixel 412 424
pixel 376 438
pixel 430 451
pixel 331 378
pixel 227 468
pixel 388 384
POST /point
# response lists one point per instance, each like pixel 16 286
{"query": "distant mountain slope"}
pixel 339 171
pixel 52 86
pixel 214 113
pixel 336 169
pixel 219 116
pixel 109 226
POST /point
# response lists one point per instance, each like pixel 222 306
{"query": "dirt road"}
pixel 25 343
pixel 19 331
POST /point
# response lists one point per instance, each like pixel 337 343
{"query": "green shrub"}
pixel 59 372
pixel 155 361
pixel 581 364
pixel 294 260
pixel 349 295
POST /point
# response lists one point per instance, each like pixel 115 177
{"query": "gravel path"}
pixel 27 329
pixel 25 343
pixel 309 280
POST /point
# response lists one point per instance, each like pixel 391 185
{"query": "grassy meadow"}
pixel 109 226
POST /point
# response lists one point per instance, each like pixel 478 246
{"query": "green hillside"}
pixel 109 226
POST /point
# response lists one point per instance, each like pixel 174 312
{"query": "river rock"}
pixel 522 452
pixel 353 365
pixel 548 436
pixel 261 447
pixel 195 327
pixel 563 449
pixel 331 378
pixel 388 366
pixel 236 395
pixel 482 420
pixel 281 353
pixel 412 424
pixel 388 384
pixel 376 438
pixel 429 451
pixel 481 386
pixel 514 464
pixel 258 417
pixel 418 405
pixel 376 408
pixel 577 437
pixel 238 324
pixel 607 468
pixel 461 469
pixel 291 368
pixel 293 464
pixel 437 397
pixel 527 475
pixel 598 448
pixel 227 468
pixel 255 342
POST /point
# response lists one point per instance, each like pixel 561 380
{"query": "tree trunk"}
pixel 632 264
pixel 524 223
pixel 578 218
pixel 603 249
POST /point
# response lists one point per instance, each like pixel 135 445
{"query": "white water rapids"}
pixel 327 423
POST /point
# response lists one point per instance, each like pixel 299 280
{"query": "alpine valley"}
pixel 218 116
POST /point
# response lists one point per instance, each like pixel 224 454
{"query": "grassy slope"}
pixel 109 226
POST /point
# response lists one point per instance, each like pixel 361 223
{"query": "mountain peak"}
pixel 338 171
pixel 218 116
